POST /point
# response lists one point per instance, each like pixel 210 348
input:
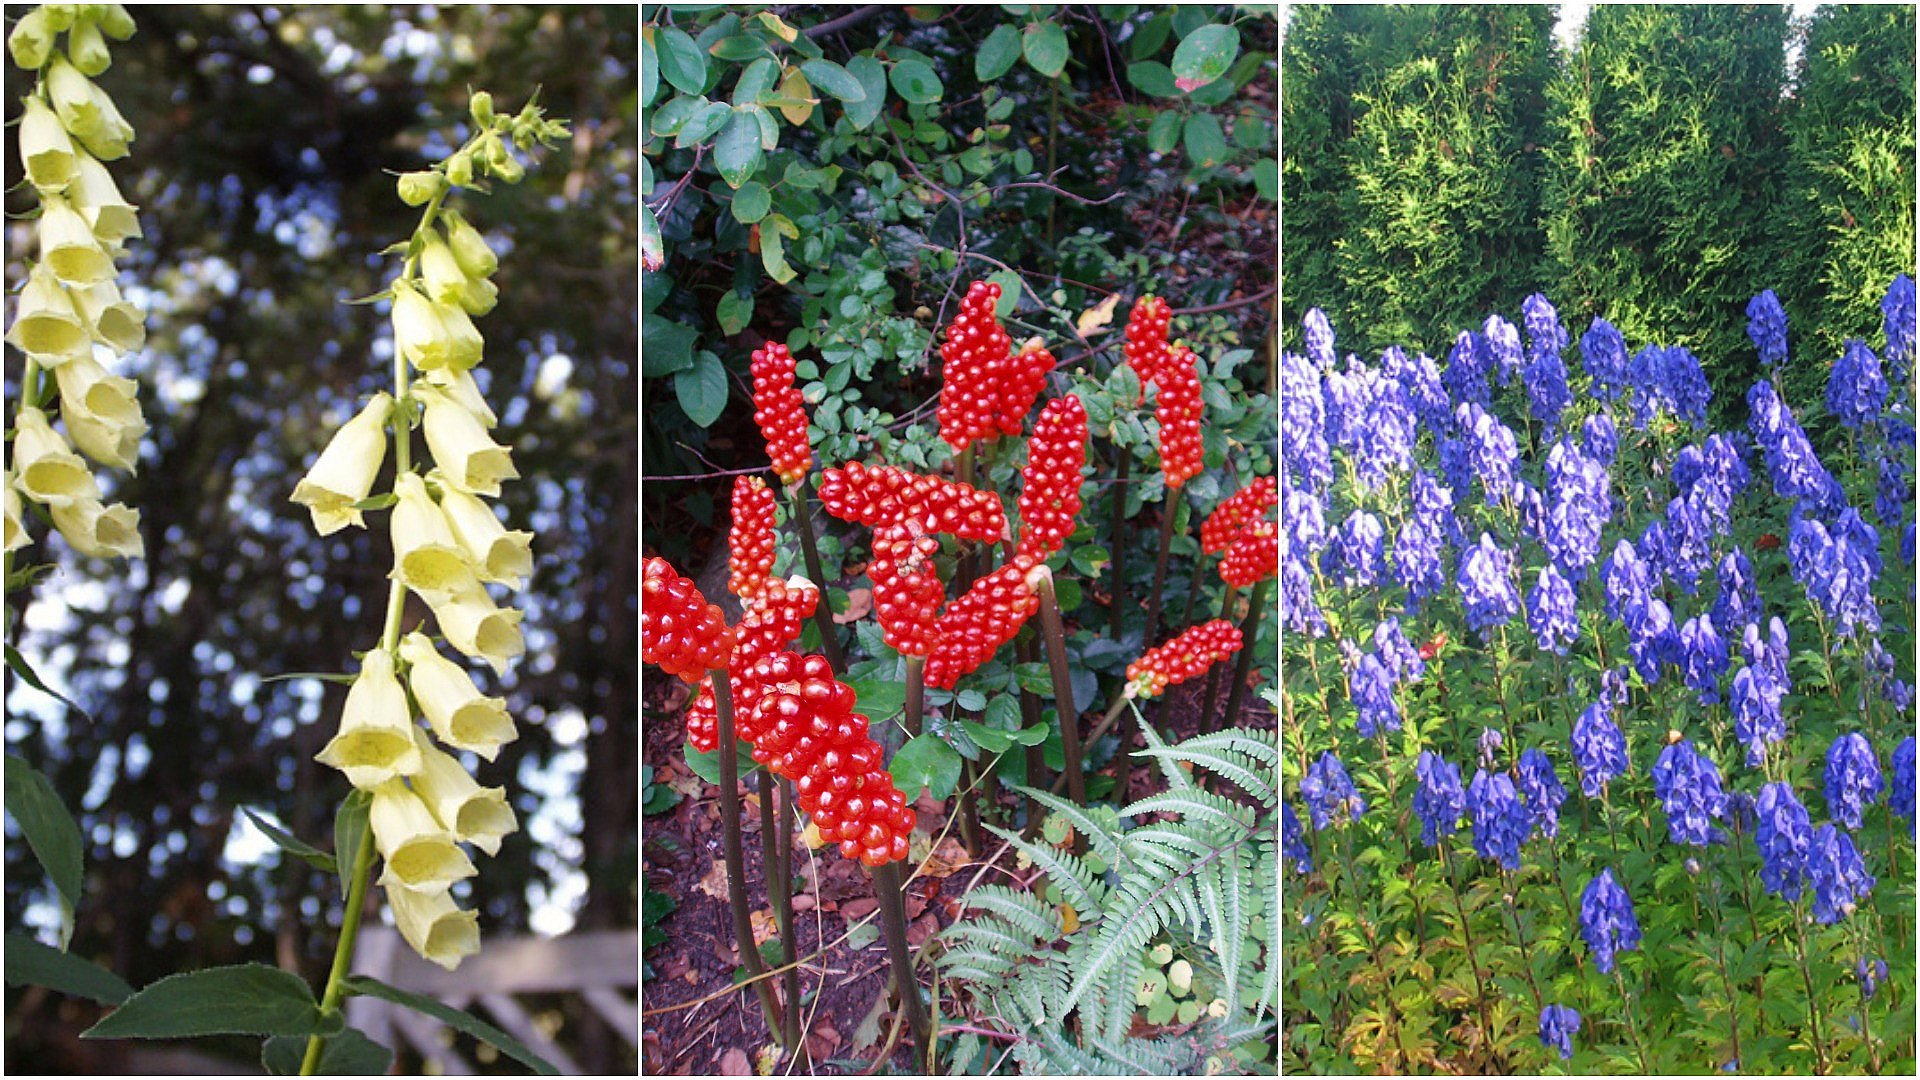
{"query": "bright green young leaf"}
pixel 992 740
pixel 665 347
pixel 873 80
pixel 30 963
pixel 702 389
pixel 916 82
pixel 1205 55
pixel 1164 134
pixel 349 825
pixel 773 256
pixel 291 844
pixel 1045 45
pixel 835 80
pixel 682 63
pixel 1153 77
pixel 751 202
pixel 755 82
pixel 926 761
pixel 349 1053
pixel 997 54
pixel 880 699
pixel 737 153
pixel 247 999
pixel 466 1023
pixel 50 832
pixel 735 311
pixel 1206 143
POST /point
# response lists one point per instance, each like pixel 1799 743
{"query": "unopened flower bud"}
pixel 502 163
pixel 115 20
pixel 469 247
pixel 60 16
pixel 460 169
pixel 68 246
pixel 445 281
pixel 45 146
pixel 344 472
pixel 419 188
pixel 435 926
pixel 88 113
pixel 460 715
pixel 475 815
pixel 481 106
pixel 105 532
pixel 432 335
pixel 426 558
pixel 50 473
pixel 87 49
pixel 45 324
pixel 375 741
pixel 419 853
pixel 102 411
pixel 479 297
pixel 469 459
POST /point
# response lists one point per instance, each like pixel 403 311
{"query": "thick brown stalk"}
pixel 730 851
pixel 1249 629
pixel 1030 716
pixel 1169 514
pixel 1056 640
pixel 888 883
pixel 916 705
pixel 1212 697
pixel 1118 599
pixel 780 891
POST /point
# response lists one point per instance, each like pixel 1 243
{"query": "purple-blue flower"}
pixel 1652 640
pixel 1784 834
pixel 1551 613
pixel 1420 379
pixel 1293 841
pixel 1354 557
pixel 1319 335
pixel 1546 373
pixel 1540 785
pixel 1688 786
pixel 1558 1025
pixel 1305 455
pixel 1600 438
pixel 1599 750
pixel 1703 657
pixel 1900 796
pixel 1467 366
pixel 1485 580
pixel 1418 562
pixel 1871 974
pixel 1738 602
pixel 1373 697
pixel 1757 721
pixel 1329 793
pixel 1837 568
pixel 1689 542
pixel 1897 322
pixel 1767 326
pixel 1503 343
pixel 1384 432
pixel 1439 801
pixel 1840 878
pixel 1857 389
pixel 1796 470
pixel 1489 744
pixel 1490 448
pixel 1853 779
pixel 1396 652
pixel 1626 581
pixel 1500 822
pixel 1299 611
pixel 1606 920
pixel 1605 353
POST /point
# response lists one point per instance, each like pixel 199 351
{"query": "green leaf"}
pixel 649 72
pixel 1035 678
pixel 997 53
pixel 50 832
pixel 835 80
pixel 1153 77
pixel 738 47
pixel 1164 134
pixel 879 698
pixel 1205 55
pixel 873 80
pixel 290 843
pixel 349 825
pixel 349 1053
pixel 992 740
pixel 916 82
pixel 751 203
pixel 1266 178
pixel 925 762
pixel 247 999
pixel 707 766
pixel 665 346
pixel 702 389
pixel 668 119
pixel 1010 292
pixel 773 256
pixel 736 153
pixel 682 63
pixel 1045 45
pixel 702 125
pixel 1206 143
pixel 1032 736
pixel 1151 35
pixel 453 1018
pixel 735 311
pixel 755 82
pixel 31 963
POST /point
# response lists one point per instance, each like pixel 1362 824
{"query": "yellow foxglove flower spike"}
pixel 432 336
pixel 101 411
pixel 469 247
pixel 16 537
pixel 93 192
pixel 445 280
pixel 435 926
pixel 426 557
pixel 68 246
pixel 45 146
pixel 470 460
pixel 498 555
pixel 475 815
pixel 419 853
pixel 111 320
pixel 478 627
pixel 88 113
pixel 45 325
pixel 375 740
pixel 459 386
pixel 105 532
pixel 344 472
pixel 60 16
pixel 50 472
pixel 459 714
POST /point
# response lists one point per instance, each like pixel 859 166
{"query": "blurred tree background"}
pixel 1660 169
pixel 268 140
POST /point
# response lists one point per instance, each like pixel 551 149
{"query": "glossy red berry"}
pixel 781 412
pixel 973 361
pixel 1179 410
pixel 1146 347
pixel 1253 555
pixel 750 539
pixel 907 589
pixel 772 622
pixel 1186 656
pixel 1019 386
pixel 974 627
pixel 880 495
pixel 1236 512
pixel 679 630
pixel 1050 483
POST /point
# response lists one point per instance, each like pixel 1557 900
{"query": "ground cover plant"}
pixel 1598 721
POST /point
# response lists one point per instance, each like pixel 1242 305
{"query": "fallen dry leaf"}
pixel 765 926
pixel 1098 315
pixel 734 1063
pixel 915 903
pixel 715 883
pixel 946 860
pixel 855 910
pixel 821 1043
pixel 811 837
pixel 922 928
pixel 677 694
pixel 1069 919
pixel 859 603
pixel 804 902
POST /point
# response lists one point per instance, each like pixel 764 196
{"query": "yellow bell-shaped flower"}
pixel 45 146
pixel 110 319
pixel 475 815
pixel 50 473
pixel 98 199
pixel 459 714
pixel 102 411
pixel 344 472
pixel 45 324
pixel 435 926
pixel 375 741
pixel 16 535
pixel 426 557
pixel 88 113
pixel 468 458
pixel 478 627
pixel 68 246
pixel 498 555
pixel 105 532
pixel 419 853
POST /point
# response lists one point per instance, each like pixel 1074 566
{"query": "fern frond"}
pixel 1081 886
pixel 1242 770
pixel 1217 809
pixel 1098 833
pixel 998 937
pixel 1022 909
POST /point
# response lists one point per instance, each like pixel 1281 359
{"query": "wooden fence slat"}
pixel 621 1013
pixel 508 1014
pixel 424 1034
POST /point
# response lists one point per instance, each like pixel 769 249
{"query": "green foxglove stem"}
pixel 1056 639
pixel 1207 721
pixel 888 882
pixel 779 890
pixel 1118 599
pixel 1249 629
pixel 343 949
pixel 730 851
pixel 1169 514
pixel 799 498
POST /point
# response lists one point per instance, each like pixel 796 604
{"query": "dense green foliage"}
pixel 1443 163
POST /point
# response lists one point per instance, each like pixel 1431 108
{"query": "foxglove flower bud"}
pixel 344 472
pixel 86 48
pixel 474 815
pixel 459 714
pixel 426 557
pixel 497 554
pixel 477 627
pixel 435 926
pixel 68 246
pixel 45 148
pixel 419 187
pixel 88 113
pixel 1188 656
pixel 105 532
pixel 420 854
pixel 31 42
pixel 467 458
pixel 375 741
pixel 48 471
pixel 45 324
pixel 468 246
pixel 101 411
pixel 1606 920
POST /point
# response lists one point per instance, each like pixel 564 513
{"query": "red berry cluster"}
pixel 1020 385
pixel 1050 491
pixel 781 412
pixel 808 732
pixel 974 627
pixel 879 495
pixel 679 630
pixel 972 359
pixel 1253 555
pixel 772 622
pixel 1146 346
pixel 750 539
pixel 907 589
pixel 1236 513
pixel 1183 658
pixel 1179 411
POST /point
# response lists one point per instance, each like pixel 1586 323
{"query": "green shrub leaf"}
pixel 248 999
pixel 31 963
